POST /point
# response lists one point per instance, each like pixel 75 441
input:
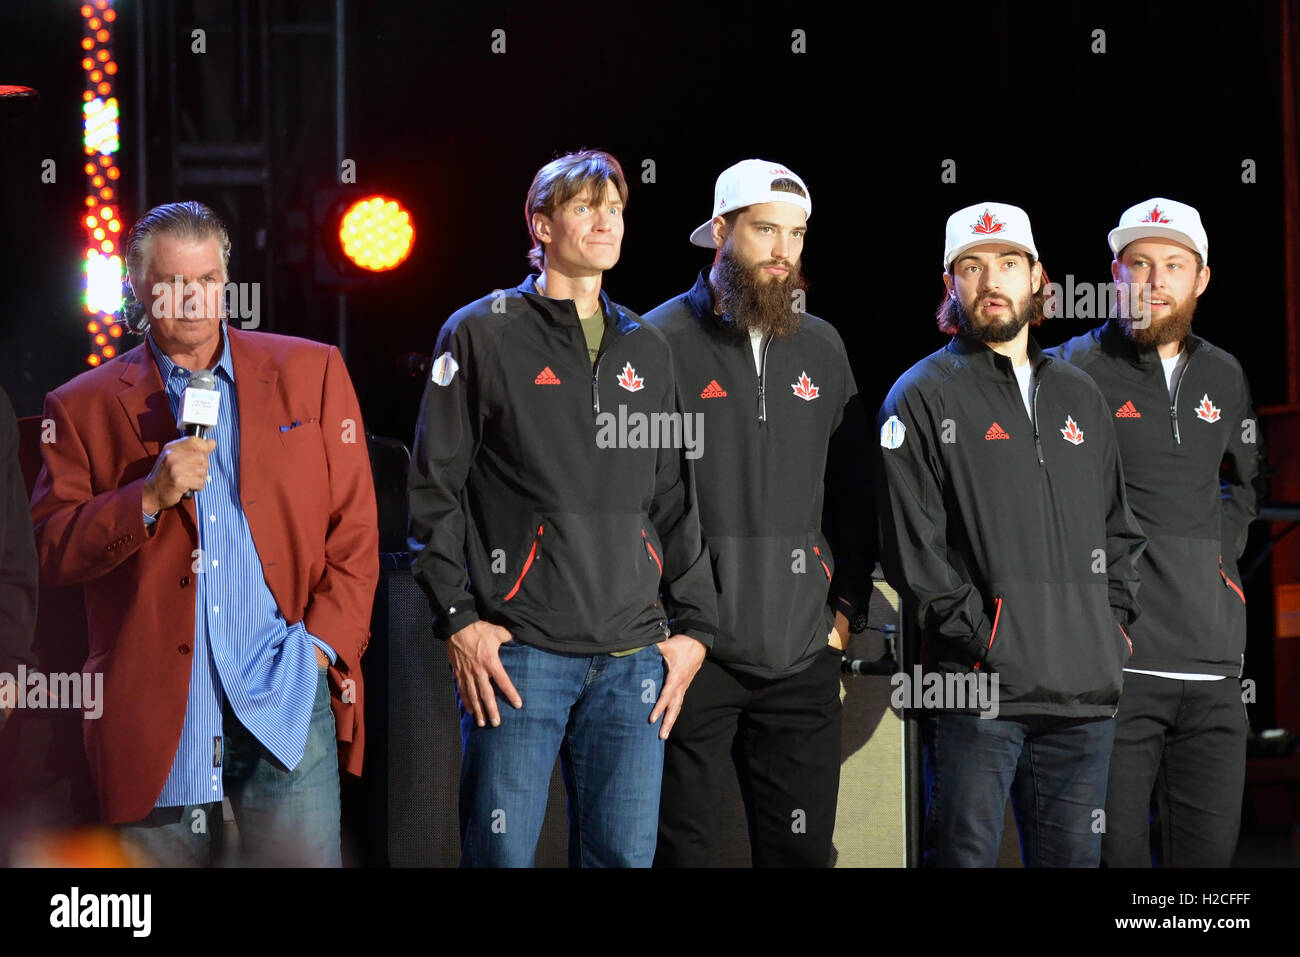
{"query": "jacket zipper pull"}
pixel 595 387
pixel 1038 445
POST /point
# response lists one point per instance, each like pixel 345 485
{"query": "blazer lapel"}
pixel 145 401
pixel 255 383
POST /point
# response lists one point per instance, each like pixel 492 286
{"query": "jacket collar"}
pixel 979 357
pixel 1115 342
pixel 562 311
pixel 145 400
pixel 700 297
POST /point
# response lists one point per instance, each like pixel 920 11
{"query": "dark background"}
pixel 1011 92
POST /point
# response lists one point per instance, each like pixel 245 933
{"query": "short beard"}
pixel 1173 328
pixel 750 303
pixel 1029 311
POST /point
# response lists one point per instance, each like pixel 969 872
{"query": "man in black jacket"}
pixel 1006 529
pixel 785 508
pixel 1188 439
pixel 545 535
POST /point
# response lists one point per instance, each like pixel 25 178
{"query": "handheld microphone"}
pixel 199 408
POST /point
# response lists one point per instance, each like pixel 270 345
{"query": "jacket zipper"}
pixel 997 614
pixel 1229 583
pixel 762 384
pixel 528 563
pixel 1038 445
pixel 651 549
pixel 818 552
pixel 1173 407
pixel 595 377
pixel 1126 641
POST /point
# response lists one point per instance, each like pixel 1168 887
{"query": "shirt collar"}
pixel 167 368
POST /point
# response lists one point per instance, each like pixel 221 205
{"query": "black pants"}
pixel 782 738
pixel 1184 741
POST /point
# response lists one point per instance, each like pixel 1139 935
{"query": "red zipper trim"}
pixel 646 538
pixel 1126 641
pixel 528 563
pixel 997 613
pixel 1233 585
pixel 818 552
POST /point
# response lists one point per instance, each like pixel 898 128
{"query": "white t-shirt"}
pixel 756 340
pixel 1173 367
pixel 1025 376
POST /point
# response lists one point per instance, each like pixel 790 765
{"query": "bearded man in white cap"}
pixel 785 506
pixel 1187 436
pixel 1012 544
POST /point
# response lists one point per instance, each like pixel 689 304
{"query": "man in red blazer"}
pixel 213 618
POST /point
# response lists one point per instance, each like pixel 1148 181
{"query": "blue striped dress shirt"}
pixel 244 650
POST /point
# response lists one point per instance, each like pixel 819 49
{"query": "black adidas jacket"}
pixel 1011 540
pixel 1192 465
pixel 784 481
pixel 520 516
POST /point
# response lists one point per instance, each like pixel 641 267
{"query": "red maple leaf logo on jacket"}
pixel 804 388
pixel 988 223
pixel 1207 410
pixel 1073 434
pixel 1156 216
pixel 630 380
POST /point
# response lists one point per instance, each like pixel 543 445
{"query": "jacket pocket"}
pixel 527 563
pixel 993 632
pixel 772 589
pixel 654 554
pixel 588 580
pixel 1229 583
pixel 1054 644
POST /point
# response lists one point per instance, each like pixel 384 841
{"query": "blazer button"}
pixel 184 649
pixel 185 581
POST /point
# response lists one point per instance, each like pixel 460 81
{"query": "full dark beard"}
pixel 750 302
pixel 1029 310
pixel 1173 328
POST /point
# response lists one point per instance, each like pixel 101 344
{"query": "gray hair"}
pixel 188 220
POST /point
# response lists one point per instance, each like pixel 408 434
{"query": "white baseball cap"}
pixel 987 223
pixel 745 184
pixel 1161 218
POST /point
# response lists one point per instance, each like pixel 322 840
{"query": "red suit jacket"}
pixel 309 499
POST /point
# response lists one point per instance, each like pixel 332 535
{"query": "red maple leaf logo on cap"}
pixel 1156 216
pixel 988 223
pixel 630 380
pixel 804 388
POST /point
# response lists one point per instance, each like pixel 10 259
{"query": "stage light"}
pixel 357 237
pixel 376 233
pixel 104 283
pixel 103 266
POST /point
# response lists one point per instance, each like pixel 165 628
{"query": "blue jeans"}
pixel 1055 770
pixel 286 817
pixel 594 712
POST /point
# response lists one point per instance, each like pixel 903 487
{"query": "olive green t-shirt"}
pixel 593 328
